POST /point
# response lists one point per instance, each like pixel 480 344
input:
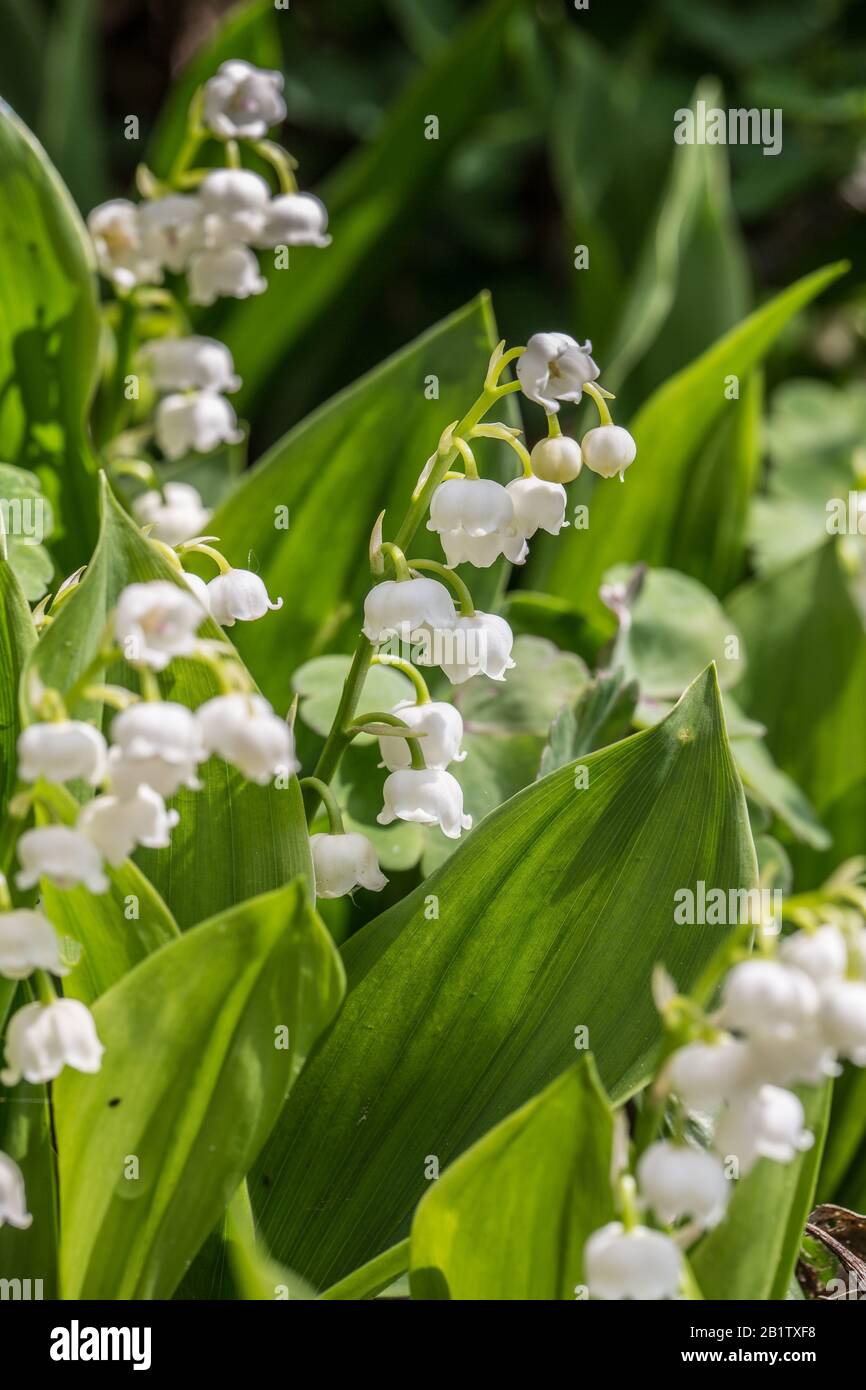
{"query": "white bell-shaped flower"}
pixel 42 1039
pixel 28 942
pixel 199 588
pixel 156 621
pixel 171 229
pixel 13 1198
pixel 235 204
pixel 428 796
pixel 295 219
pixel 242 102
pixel 640 1264
pixel 62 855
pixel 678 1181
pixel 764 1123
pixel 843 1018
pixel 442 726
pixel 117 825
pixel 556 460
pixel 766 997
pixel 478 646
pixel 239 596
pixel 61 751
pixel 195 422
pixel 115 230
pixel 537 506
pixel 344 862
pixel 228 271
pixel 608 450
pixel 175 514
pixel 475 521
pixel 190 364
pixel 821 954
pixel 409 609
pixel 704 1074
pixel 555 368
pixel 156 744
pixel 244 730
pixel 804 1058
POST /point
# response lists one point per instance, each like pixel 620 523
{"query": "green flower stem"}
pixel 507 436
pixel 5 895
pixel 199 548
pixel 467 607
pixel 192 141
pixel 116 696
pixel 337 739
pixel 413 743
pixel 279 160
pixel 329 801
pixel 470 467
pixel 233 154
pixel 111 413
pixel 474 415
pixel 628 1202
pixel 398 559
pixel 422 694
pixel 149 685
pixel 373 1277
pixel 598 398
pixel 240 1233
pixel 44 988
pixel 554 429
pixel 103 659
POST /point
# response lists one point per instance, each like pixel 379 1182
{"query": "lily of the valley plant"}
pixel 107 768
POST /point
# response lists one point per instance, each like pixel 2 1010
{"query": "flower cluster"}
pixel 156 747
pixel 212 232
pixel 207 225
pixel 478 520
pixel 784 1020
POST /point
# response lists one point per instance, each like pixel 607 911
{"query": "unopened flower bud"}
pixel 556 460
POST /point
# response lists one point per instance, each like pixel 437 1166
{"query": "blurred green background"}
pixel 556 130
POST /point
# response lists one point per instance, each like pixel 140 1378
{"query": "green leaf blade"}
pixel 192 1080
pixel 464 1001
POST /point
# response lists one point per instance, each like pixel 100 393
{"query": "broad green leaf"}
pixel 694 223
pixel 640 520
pixel 677 627
pixel 17 639
pixel 509 1220
pixel 70 124
pixel 203 1041
pixel 234 839
pixel 843 1169
pixel 777 791
pixel 26 521
pixel 248 31
pixel 751 1255
pixel 25 1135
pixel 114 930
pixel 368 198
pixel 465 997
pixel 814 436
pixel 49 329
pixel 332 475
pixel 709 540
pixel 601 713
pixel 806 682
